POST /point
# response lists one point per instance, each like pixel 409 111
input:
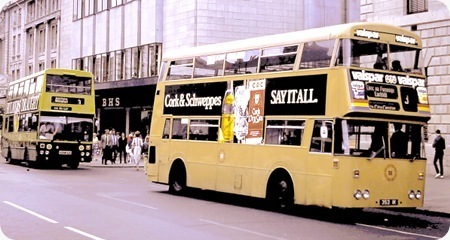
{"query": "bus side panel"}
pixel 319 180
pixel 271 157
pixel 234 170
pixel 202 161
pixel 178 150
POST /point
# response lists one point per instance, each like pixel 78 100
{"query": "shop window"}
pixel 322 136
pixel 284 132
pixel 203 130
pixel 179 128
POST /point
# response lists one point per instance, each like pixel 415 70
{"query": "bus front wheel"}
pixel 177 178
pixel 280 192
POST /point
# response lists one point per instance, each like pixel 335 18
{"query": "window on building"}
pixel 77 9
pixel 31 8
pixel 54 37
pixel 41 6
pixel 102 5
pixel 14 46
pixel 41 66
pixel 115 3
pixel 53 63
pixel 89 7
pixel 19 40
pixel 41 44
pixel 30 43
pixel 417 6
pixel 54 5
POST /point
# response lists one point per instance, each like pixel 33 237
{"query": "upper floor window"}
pixel 417 6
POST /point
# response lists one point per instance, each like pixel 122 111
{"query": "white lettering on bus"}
pixel 22 105
pixel 293 96
pixel 405 39
pixel 61 100
pixel 367 76
pixel 191 100
pixel 367 34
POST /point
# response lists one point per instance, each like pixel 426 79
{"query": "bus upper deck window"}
pixel 244 62
pixel 209 66
pixel 278 59
pixel 317 54
pixel 180 69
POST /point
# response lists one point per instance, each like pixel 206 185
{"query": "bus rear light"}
pixel 49 146
pixel 357 194
pixel 418 194
pixel 355 173
pixel 411 194
pixel 420 176
pixel 366 194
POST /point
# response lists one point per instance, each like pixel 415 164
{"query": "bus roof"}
pixel 315 34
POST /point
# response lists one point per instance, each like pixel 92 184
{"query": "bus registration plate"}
pixel 388 202
pixel 65 152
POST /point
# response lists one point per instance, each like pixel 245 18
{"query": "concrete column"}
pixel 127 120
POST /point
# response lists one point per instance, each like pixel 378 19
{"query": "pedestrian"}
pixel 122 148
pixel 106 146
pixel 439 146
pixel 114 145
pixel 137 148
pixel 128 148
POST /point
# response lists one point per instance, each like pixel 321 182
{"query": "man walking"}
pixel 439 146
pixel 106 145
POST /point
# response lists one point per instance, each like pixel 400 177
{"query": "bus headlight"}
pixel 81 147
pixel 366 194
pixel 41 152
pixel 418 194
pixel 357 194
pixel 82 154
pixel 47 152
pixel 87 154
pixel 49 147
pixel 411 194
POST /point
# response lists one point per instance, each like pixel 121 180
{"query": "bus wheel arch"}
pixel 280 190
pixel 177 177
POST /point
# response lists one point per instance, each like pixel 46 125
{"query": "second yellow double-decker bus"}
pixel 331 117
pixel 49 118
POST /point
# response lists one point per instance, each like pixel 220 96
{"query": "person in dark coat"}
pixel 122 147
pixel 439 146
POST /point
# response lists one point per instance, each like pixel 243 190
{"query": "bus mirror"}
pixel 324 132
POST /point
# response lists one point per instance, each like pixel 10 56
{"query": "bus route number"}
pixel 388 202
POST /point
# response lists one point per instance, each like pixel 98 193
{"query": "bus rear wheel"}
pixel 177 179
pixel 280 192
pixel 9 158
pixel 73 164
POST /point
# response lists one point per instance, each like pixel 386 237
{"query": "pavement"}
pixel 437 191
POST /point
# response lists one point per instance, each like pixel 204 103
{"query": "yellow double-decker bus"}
pixel 332 117
pixel 49 118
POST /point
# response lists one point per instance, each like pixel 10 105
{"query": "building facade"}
pixel 122 41
pixel 431 20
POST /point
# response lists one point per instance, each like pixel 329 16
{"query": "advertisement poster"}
pixel 256 111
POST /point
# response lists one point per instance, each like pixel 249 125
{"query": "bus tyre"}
pixel 280 192
pixel 177 179
pixel 9 158
pixel 73 164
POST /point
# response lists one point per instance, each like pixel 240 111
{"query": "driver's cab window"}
pixel 322 136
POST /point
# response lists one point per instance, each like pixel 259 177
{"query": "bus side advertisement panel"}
pixel 194 99
pixel 299 95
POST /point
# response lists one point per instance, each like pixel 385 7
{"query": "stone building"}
pixel 431 20
pixel 122 41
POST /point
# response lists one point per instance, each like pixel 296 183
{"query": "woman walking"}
pixel 137 148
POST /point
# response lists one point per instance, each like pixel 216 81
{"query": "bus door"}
pixel 320 159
